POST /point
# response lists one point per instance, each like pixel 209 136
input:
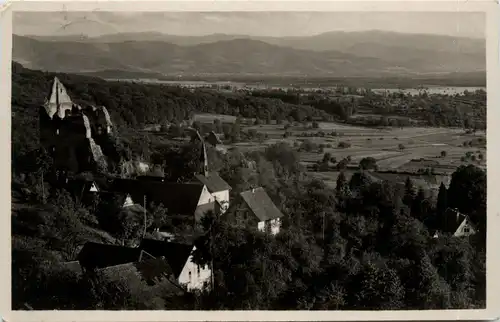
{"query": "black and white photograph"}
pixel 248 160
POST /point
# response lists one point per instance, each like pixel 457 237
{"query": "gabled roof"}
pixel 133 210
pixel 175 254
pixel 73 266
pixel 261 204
pixel 452 219
pixel 96 255
pixel 213 182
pixel 213 138
pixel 153 271
pixel 180 198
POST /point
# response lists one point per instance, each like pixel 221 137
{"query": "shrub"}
pixel 344 145
pixel 368 164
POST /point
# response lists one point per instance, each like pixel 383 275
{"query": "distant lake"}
pixel 430 90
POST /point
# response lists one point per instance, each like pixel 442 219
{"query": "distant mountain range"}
pixel 337 54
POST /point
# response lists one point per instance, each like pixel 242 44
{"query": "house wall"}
pixel 244 216
pixel 461 230
pixel 128 202
pixel 223 198
pixel 205 197
pixel 274 225
pixel 191 278
pixel 93 188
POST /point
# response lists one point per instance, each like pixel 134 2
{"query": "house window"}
pixel 198 268
pixel 190 278
pixel 466 229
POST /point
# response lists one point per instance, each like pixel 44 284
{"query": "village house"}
pixel 180 259
pixel 255 208
pixel 214 183
pixel 455 223
pixel 94 256
pixel 217 187
pixel 129 265
pixel 192 199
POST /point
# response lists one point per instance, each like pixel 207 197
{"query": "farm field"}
pixel 407 149
pixel 438 148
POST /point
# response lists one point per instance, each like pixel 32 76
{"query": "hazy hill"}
pixel 338 53
pixel 336 40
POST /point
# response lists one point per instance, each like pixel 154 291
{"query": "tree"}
pixel 175 130
pixel 410 193
pixel 342 165
pixel 467 193
pixel 376 288
pixel 218 126
pixel 418 208
pixel 344 145
pixel 327 157
pixel 443 154
pixel 401 146
pixel 315 125
pixel 426 289
pixel 384 121
pixel 442 200
pixel 342 190
pixel 368 163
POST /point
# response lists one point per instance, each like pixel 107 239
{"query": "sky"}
pixel 275 24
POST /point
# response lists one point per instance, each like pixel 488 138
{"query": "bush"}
pixel 368 163
pixel 401 146
pixel 344 145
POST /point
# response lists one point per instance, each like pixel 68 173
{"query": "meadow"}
pixel 405 150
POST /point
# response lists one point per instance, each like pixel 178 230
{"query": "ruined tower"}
pixel 59 101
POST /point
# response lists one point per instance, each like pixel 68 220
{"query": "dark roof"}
pixel 452 219
pixel 157 177
pixel 152 271
pixel 261 204
pixel 95 255
pixel 180 198
pixel 213 182
pixel 132 211
pixel 213 138
pixel 73 266
pixel 176 254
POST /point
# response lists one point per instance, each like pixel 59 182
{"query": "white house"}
pixel 457 224
pixel 179 257
pixel 217 187
pixel 193 276
pixel 255 207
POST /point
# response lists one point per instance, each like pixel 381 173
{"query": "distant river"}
pixel 430 90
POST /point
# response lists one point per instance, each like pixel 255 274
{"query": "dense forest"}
pixel 364 245
pixel 395 109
